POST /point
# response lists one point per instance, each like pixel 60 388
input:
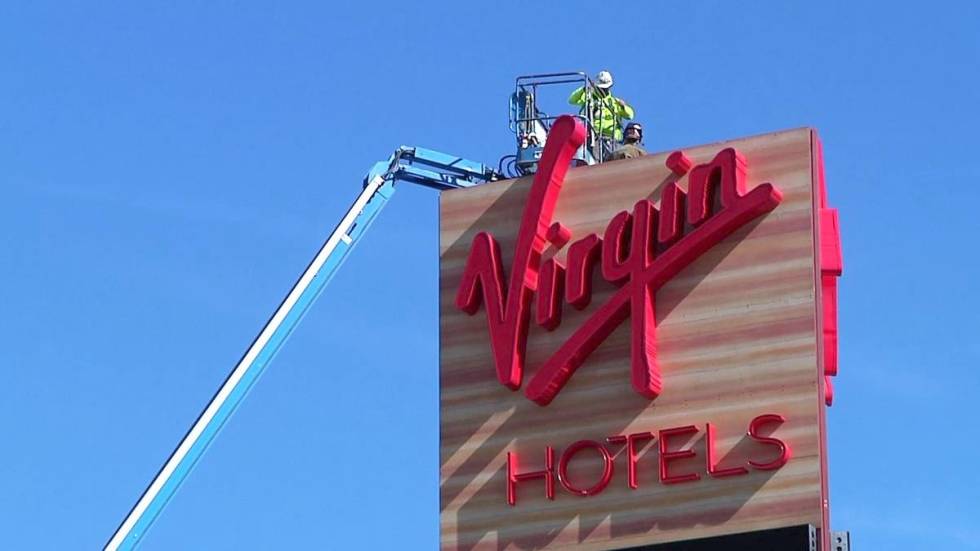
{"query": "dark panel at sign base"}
pixel 791 538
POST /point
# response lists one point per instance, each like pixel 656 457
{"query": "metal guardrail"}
pixel 530 125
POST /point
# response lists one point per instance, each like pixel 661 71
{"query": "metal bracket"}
pixel 840 541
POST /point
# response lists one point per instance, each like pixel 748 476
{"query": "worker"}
pixel 607 111
pixel 632 143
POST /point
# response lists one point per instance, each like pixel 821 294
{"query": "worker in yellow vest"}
pixel 607 111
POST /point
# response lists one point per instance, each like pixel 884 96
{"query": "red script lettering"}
pixel 639 251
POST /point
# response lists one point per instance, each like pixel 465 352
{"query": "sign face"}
pixel 638 351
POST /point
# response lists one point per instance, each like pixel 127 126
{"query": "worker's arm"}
pixel 624 109
pixel 578 96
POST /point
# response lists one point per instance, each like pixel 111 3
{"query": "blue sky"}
pixel 167 170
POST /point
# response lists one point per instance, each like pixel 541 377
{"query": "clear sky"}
pixel 168 170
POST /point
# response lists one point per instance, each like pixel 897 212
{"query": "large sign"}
pixel 638 351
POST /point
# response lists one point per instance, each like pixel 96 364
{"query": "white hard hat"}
pixel 603 79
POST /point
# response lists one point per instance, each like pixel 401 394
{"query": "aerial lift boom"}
pixel 408 164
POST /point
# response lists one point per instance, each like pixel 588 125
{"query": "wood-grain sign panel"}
pixel 730 437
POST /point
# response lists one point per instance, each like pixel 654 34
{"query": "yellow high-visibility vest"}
pixel 607 113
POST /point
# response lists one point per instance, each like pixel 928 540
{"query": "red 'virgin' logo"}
pixel 639 251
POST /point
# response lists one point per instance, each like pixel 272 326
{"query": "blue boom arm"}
pixel 408 164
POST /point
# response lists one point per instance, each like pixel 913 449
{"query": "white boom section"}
pixel 435 170
pixel 374 195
